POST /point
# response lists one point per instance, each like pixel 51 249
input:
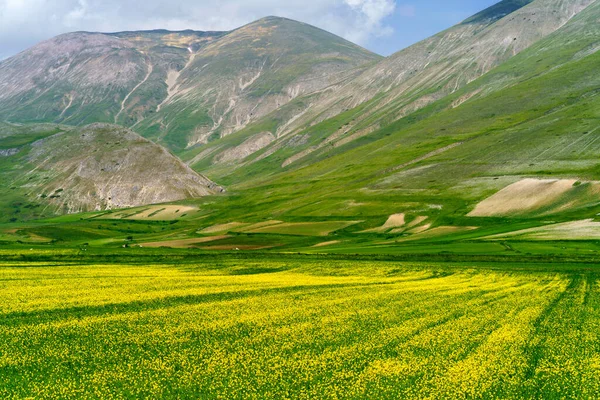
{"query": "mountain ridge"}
pixel 396 87
pixel 132 78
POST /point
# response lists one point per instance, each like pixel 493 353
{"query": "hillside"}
pixel 511 153
pixel 83 77
pixel 178 88
pixel 49 169
pixel 518 161
pixel 392 89
pixel 248 74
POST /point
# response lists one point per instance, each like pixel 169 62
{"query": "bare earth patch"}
pixel 184 243
pixel 153 213
pixel 413 226
pixel 537 195
pixel 440 231
pixel 258 226
pixel 330 243
pixel 420 229
pixel 394 221
pixel 576 230
pixel 223 227
pixel 164 213
pixel 305 228
pixel 417 221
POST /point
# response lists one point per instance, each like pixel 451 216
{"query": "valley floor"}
pixel 277 326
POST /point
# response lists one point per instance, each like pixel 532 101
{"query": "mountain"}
pixel 511 150
pixel 82 77
pixel 392 89
pixel 178 88
pixel 528 133
pixel 247 74
pixel 48 169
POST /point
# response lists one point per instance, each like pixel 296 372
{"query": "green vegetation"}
pixel 303 228
pixel 25 138
pixel 436 165
pixel 237 327
pixel 535 116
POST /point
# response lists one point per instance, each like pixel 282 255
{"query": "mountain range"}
pixel 279 122
pixel 179 88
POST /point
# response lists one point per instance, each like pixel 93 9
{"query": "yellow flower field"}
pixel 297 330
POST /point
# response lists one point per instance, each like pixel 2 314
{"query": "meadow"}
pixel 276 326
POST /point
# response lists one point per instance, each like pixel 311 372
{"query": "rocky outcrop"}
pixel 103 166
pixel 250 146
pixel 8 152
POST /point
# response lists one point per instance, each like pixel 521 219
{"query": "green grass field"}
pixel 296 327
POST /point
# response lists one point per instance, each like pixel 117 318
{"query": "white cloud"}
pixel 25 22
pixel 76 14
pixel 373 10
pixel 369 17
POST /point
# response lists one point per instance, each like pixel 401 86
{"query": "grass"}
pixel 274 327
pixel 151 213
pixel 25 138
pixel 534 116
pixel 304 228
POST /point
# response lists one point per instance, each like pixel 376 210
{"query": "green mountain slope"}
pixel 504 163
pixel 535 116
pixel 393 88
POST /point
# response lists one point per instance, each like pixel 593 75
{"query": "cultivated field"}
pixel 299 327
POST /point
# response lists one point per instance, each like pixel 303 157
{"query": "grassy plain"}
pixel 246 326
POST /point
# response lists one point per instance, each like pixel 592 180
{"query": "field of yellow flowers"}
pixel 297 330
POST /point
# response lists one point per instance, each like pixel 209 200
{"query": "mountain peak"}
pixel 274 19
pixel 287 24
pixel 497 11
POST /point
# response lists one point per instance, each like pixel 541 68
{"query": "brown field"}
pixel 184 243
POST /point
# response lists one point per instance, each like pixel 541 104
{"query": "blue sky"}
pixel 422 20
pixel 384 26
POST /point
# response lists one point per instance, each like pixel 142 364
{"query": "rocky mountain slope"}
pixel 396 87
pixel 55 168
pixel 178 88
pixel 534 122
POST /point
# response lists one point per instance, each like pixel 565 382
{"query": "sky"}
pixel 382 26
